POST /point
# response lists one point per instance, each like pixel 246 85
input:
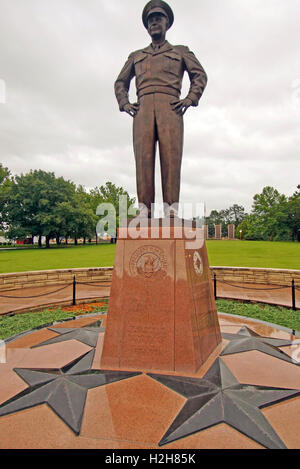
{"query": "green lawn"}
pixel 12 325
pixel 273 314
pixel 266 254
pixel 221 253
pixel 101 255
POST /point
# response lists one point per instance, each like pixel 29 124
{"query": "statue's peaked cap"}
pixel 157 5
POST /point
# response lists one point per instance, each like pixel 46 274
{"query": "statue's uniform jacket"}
pixel 159 76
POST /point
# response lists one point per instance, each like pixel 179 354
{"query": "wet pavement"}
pixel 55 395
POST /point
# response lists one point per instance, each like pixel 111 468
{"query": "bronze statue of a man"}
pixel 158 115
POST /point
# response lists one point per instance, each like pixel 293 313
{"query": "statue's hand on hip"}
pixel 180 106
pixel 131 109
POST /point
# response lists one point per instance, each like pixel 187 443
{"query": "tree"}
pixel 5 185
pixel 271 208
pixel 40 204
pixel 85 216
pixel 237 214
pixel 251 228
pixel 293 217
pixel 225 220
pixel 4 174
pixel 75 220
pixel 32 204
pixel 110 193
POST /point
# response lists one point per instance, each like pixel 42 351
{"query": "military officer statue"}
pixel 162 314
pixel 158 115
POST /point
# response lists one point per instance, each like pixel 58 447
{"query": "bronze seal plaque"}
pixel 148 262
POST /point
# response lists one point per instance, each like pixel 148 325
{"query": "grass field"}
pixel 266 254
pixel 221 253
pixel 274 314
pixel 11 325
pixel 101 255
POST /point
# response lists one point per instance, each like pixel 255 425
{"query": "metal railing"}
pixel 104 284
pixel 48 293
pixel 37 296
pixel 269 288
pixel 75 283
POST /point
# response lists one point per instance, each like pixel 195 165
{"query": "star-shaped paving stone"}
pixel 246 340
pixel 219 398
pixel 87 335
pixel 64 390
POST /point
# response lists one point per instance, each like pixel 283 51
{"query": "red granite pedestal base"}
pixel 162 314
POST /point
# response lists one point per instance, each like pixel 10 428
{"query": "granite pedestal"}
pixel 162 314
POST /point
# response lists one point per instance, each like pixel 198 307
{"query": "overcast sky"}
pixel 59 60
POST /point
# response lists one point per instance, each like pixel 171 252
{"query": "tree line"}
pixel 274 217
pixel 39 204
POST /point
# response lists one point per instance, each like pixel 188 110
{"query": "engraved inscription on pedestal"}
pixel 154 338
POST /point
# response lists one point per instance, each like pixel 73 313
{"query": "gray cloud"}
pixel 59 60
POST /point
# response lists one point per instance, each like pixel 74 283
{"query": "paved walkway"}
pixel 263 293
pixel 27 299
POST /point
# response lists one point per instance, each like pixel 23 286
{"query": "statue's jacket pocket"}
pixel 141 64
pixel 172 63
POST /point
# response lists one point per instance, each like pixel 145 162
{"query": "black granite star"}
pixel 246 340
pixel 219 398
pixel 64 390
pixel 87 335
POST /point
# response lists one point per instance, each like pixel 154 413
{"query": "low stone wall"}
pixel 43 278
pixel 257 275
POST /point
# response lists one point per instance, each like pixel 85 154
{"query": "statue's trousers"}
pixel 156 121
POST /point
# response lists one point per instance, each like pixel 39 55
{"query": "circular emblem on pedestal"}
pixel 198 264
pixel 148 262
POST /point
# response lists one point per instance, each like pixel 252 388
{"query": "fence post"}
pixel 74 290
pixel 215 286
pixel 293 296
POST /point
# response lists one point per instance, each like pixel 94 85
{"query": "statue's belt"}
pixel 158 89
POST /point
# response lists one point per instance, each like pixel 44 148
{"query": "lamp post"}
pixel 241 231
